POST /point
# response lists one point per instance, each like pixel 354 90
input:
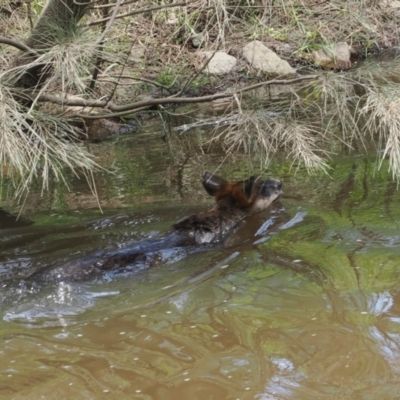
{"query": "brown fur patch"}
pixel 236 191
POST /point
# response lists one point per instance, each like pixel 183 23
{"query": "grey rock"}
pixel 220 63
pixel 137 53
pixel 197 40
pixel 336 56
pixel 264 59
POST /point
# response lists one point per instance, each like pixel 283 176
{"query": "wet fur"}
pixel 234 202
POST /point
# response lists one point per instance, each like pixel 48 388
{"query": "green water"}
pixel 307 310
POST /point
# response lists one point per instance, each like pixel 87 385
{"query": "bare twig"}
pixel 124 3
pixel 109 23
pixel 86 3
pixel 168 89
pixel 18 45
pixel 111 96
pixel 141 11
pixel 99 58
pixel 196 74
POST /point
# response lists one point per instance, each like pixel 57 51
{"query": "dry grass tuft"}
pixel 38 144
pixel 33 146
pixel 307 122
pixel 69 64
pixel 382 109
pixel 263 136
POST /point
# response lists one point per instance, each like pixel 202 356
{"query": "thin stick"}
pixel 141 11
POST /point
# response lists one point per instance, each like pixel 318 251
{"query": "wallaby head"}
pixel 234 202
pixel 253 194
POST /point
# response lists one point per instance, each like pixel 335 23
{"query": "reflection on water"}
pixel 303 302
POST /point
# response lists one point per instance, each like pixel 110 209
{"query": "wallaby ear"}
pixel 249 184
pixel 212 183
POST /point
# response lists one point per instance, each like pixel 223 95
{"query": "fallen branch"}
pixel 118 110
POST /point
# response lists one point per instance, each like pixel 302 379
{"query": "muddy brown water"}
pixel 302 303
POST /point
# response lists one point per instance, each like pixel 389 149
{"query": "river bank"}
pixel 173 47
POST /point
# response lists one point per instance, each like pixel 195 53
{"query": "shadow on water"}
pixel 9 221
pixel 303 302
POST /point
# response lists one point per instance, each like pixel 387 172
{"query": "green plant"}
pixel 37 6
pixel 201 81
pixel 313 40
pixel 165 78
